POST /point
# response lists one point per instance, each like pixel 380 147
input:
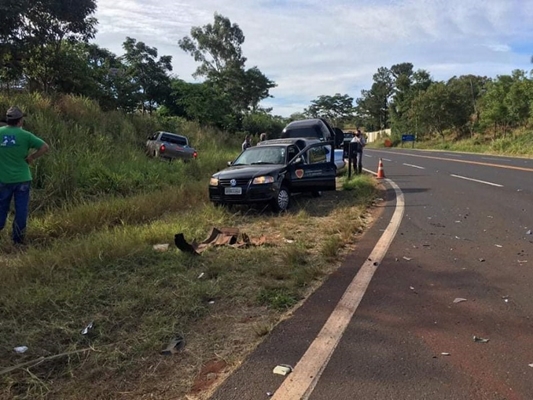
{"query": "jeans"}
pixel 357 162
pixel 20 192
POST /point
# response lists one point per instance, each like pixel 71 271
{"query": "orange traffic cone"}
pixel 381 172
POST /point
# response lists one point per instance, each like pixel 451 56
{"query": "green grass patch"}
pixel 99 205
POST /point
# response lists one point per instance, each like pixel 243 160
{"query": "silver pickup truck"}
pixel 170 146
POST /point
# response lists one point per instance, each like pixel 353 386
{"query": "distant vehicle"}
pixel 170 146
pixel 348 136
pixel 273 170
pixel 315 128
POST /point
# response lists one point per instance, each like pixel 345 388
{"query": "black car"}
pixel 313 128
pixel 274 169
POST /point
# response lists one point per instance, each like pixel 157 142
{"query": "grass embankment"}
pixel 516 143
pixel 91 259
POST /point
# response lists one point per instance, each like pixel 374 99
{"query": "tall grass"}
pixel 96 154
pixel 516 143
pixel 99 205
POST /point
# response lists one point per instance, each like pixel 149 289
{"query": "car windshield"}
pixel 262 155
pixel 180 141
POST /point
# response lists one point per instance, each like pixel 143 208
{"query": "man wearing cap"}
pixel 15 174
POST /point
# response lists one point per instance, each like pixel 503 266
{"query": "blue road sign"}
pixel 408 138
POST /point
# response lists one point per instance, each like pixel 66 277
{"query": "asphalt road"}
pixel 464 235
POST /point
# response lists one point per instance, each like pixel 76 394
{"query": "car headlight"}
pixel 213 181
pixel 263 179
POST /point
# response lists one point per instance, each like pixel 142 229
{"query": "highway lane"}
pixel 458 239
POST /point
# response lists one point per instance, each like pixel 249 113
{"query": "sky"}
pixel 323 47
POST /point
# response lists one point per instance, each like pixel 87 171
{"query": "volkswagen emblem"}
pixel 233 182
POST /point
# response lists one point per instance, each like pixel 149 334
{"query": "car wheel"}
pixel 316 193
pixel 282 201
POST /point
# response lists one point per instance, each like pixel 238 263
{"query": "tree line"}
pixel 45 46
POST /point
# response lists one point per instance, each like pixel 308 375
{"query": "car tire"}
pixel 282 201
pixel 316 193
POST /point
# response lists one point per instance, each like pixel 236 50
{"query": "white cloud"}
pixel 315 47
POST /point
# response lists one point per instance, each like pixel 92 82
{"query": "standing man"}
pixel 357 144
pixel 247 142
pixel 15 174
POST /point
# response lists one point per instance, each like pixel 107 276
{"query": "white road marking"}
pixel 386 159
pixel 369 156
pixel 476 180
pixel 452 155
pixel 301 382
pixel 414 166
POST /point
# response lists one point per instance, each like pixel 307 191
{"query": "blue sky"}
pixel 322 47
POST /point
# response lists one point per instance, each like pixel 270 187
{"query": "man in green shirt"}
pixel 15 174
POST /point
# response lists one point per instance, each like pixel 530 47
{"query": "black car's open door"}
pixel 313 169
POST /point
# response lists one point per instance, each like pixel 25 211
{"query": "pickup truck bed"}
pixel 170 146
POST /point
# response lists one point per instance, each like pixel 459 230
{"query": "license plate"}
pixel 233 190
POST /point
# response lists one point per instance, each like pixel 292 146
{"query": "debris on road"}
pixel 529 232
pixel 498 245
pixel 175 345
pixel 445 354
pixel 282 369
pixel 522 261
pixel 21 349
pixel 459 300
pixel 481 259
pixel 412 288
pixel 270 394
pixel 88 328
pixel 505 298
pixel 480 340
pixel 161 247
pixel 218 237
pixel 407 258
pixel 531 365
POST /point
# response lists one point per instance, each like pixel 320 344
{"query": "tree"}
pixel 261 121
pixel 335 108
pixel 436 109
pixel 200 102
pixel 372 108
pixel 217 47
pixel 147 72
pixel 35 31
pixel 468 89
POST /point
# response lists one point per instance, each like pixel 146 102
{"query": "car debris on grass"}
pixel 218 237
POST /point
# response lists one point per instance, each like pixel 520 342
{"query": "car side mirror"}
pixel 230 163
